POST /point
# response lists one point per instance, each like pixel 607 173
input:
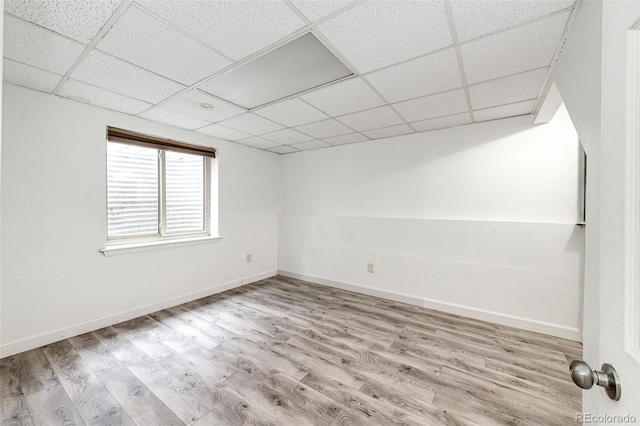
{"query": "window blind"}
pixel 184 192
pixel 148 141
pixel 132 190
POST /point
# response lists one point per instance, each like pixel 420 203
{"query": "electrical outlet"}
pixel 370 268
pixel 249 258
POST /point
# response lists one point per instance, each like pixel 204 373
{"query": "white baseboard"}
pixel 467 311
pixel 397 297
pixel 258 277
pixel 29 343
pixel 548 328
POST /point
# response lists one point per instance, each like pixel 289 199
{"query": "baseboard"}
pixel 467 311
pixel 397 297
pixel 258 277
pixel 16 347
pixel 506 319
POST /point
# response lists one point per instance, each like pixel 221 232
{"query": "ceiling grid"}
pixel 105 28
pixel 417 66
pixel 456 46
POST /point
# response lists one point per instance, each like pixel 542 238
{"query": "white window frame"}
pixel 135 243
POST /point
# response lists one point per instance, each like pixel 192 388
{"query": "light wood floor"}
pixel 286 352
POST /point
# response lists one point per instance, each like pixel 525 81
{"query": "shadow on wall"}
pixel 503 170
pixel 575 244
pixel 436 145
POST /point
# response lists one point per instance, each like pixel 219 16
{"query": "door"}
pixel 619 212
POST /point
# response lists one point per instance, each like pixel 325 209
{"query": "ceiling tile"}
pixel 306 146
pixel 79 20
pixel 433 106
pixel 82 92
pixel 201 105
pixel 510 52
pixel 284 150
pixel 423 76
pixel 442 122
pixel 240 27
pixel 292 112
pixel 221 132
pixel 257 142
pixel 149 43
pixel 325 129
pixel 387 132
pixel 344 139
pixel 343 98
pixel 507 90
pixel 376 34
pixel 479 17
pixel 287 136
pixel 314 10
pixel 296 66
pixel 33 45
pixel 173 118
pixel 27 76
pixel 371 119
pixel 504 111
pixel 252 124
pixel 118 76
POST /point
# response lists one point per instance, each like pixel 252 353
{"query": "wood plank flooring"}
pixel 286 352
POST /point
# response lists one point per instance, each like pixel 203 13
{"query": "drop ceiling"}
pixel 417 65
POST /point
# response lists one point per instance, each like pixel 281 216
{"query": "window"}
pixel 157 189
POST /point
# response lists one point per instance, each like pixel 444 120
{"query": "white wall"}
pixel 55 283
pixel 478 220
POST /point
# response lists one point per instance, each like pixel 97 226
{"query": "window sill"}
pixel 127 248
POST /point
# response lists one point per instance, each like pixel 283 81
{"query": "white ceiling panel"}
pixel 33 45
pixel 306 146
pixel 284 150
pixel 314 10
pixel 479 17
pixel 442 122
pixel 287 136
pixel 504 111
pixel 118 76
pixel 292 112
pixel 173 118
pixel 433 106
pixel 252 124
pixel 423 76
pixel 388 132
pixel 372 119
pixel 27 76
pixel 82 92
pixel 325 129
pixel 203 106
pixel 149 43
pixel 221 132
pixel 376 34
pixel 344 98
pixel 257 142
pixel 521 49
pixel 79 20
pixel 236 28
pixel 294 67
pixel 506 90
pixel 345 139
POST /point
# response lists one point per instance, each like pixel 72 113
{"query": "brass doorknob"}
pixel 585 377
